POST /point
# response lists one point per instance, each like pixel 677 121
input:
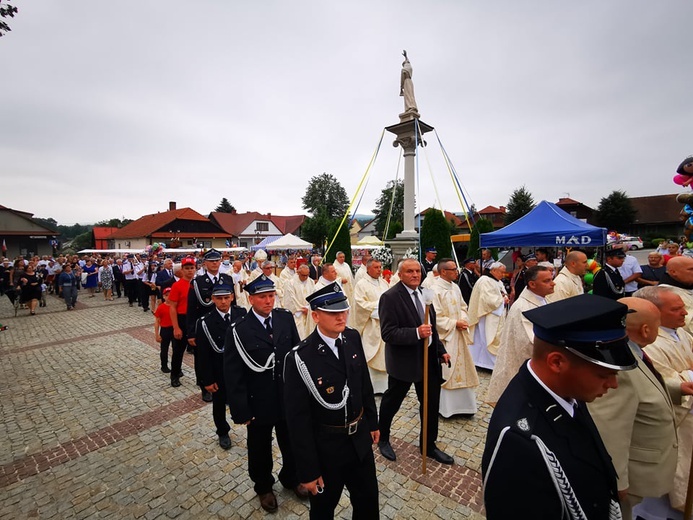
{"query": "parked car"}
pixel 634 242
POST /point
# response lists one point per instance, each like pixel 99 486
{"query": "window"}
pixel 262 226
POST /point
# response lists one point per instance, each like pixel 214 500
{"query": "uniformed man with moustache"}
pixel 256 346
pixel 200 302
pixel 209 358
pixel 428 262
pixel 608 282
pixel 330 411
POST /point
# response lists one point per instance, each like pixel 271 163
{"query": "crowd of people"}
pixel 598 424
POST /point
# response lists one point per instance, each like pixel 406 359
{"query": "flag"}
pixel 4 246
pixel 228 244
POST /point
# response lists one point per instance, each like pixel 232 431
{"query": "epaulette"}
pixel 282 309
pixel 300 345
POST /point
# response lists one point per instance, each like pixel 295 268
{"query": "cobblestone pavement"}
pixel 92 429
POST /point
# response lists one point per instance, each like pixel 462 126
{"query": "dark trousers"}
pixel 260 456
pixel 166 334
pixel 392 400
pixel 178 350
pixel 144 292
pixel 117 287
pixel 219 411
pixel 359 478
pixel 131 287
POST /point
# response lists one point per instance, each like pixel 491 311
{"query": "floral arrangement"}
pixel 412 252
pixel 384 255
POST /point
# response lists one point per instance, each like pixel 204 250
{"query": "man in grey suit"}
pixel 402 328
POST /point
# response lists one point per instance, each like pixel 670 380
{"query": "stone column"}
pixel 408 134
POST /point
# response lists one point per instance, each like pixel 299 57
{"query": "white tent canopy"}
pixel 290 241
pixel 370 241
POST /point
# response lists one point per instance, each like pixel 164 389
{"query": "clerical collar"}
pixel 568 406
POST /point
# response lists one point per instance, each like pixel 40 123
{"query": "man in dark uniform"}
pixel 608 282
pixel 402 328
pixel 200 302
pixel 468 278
pixel 330 411
pixel 544 458
pixel 256 346
pixel 209 358
pixel 520 283
pixel 429 261
pixel 118 277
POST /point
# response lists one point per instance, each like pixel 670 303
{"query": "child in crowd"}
pixel 44 290
pixel 163 329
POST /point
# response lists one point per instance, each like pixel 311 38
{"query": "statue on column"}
pixel 406 89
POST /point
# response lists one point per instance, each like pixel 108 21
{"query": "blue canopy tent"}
pixel 546 225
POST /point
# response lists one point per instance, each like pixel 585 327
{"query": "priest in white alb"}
pixel 295 292
pixel 457 395
pixel 366 321
pixel 486 315
pixel 517 337
pixel 345 276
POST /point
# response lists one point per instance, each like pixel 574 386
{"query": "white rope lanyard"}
pixel 209 338
pixel 199 296
pixel 308 381
pixel 249 361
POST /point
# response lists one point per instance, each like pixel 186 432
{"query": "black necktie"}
pixel 419 307
pixel 338 345
pixel 227 318
pixel 214 280
pixel 268 325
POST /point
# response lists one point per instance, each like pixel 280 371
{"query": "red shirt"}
pixel 163 312
pixel 179 294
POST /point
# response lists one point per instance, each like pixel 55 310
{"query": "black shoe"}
pixel 145 310
pixel 130 304
pixel 386 450
pixel 207 396
pixel 166 370
pixel 175 382
pixel 225 441
pixel 440 456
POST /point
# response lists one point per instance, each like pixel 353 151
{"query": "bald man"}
pixel 638 417
pixel 569 280
pixel 679 277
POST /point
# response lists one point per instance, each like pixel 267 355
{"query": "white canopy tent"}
pixel 290 241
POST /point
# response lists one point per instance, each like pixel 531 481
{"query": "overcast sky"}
pixel 112 109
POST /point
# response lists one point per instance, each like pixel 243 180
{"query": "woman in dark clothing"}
pixel 30 287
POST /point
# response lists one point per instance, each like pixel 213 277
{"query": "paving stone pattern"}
pixel 91 428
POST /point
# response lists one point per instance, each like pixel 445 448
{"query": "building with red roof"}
pixel 183 227
pixel 251 227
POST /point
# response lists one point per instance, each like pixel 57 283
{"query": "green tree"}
pixel 114 222
pixel 49 222
pixel 383 204
pixel 342 243
pixel 395 228
pixel 83 241
pixel 316 229
pixel 435 232
pixel 324 192
pixel 520 203
pixel 6 11
pixel 616 212
pixel 483 225
pixel 225 206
